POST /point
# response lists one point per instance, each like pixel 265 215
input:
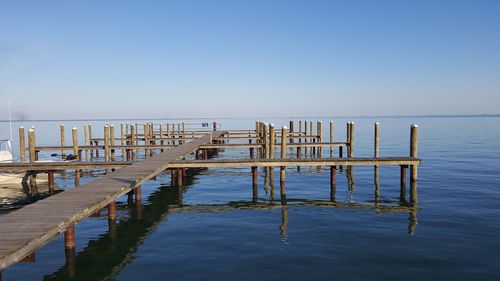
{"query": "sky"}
pixel 236 58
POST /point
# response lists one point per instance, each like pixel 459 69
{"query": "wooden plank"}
pixel 358 161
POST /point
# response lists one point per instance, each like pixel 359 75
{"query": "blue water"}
pixel 221 235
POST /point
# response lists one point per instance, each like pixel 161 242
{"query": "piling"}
pixel 291 131
pixel 271 141
pixel 376 140
pixel 305 135
pixel 75 143
pixel 106 143
pixel 31 145
pixel 69 238
pixel 61 130
pixel 350 151
pixel 122 139
pixel 22 144
pixel 90 142
pixel 413 168
pixel 319 132
pixel 282 168
pixel 112 141
pixel 112 211
pixel 86 140
pixel 331 139
pixel 51 183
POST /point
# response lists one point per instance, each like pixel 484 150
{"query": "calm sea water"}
pixel 455 234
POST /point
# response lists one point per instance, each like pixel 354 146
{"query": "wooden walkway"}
pixel 31 227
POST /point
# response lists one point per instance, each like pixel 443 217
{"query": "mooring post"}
pixel 413 168
pixel 282 168
pixel 90 141
pixel 112 141
pixel 22 144
pixel 351 140
pixel 402 191
pixel 333 183
pixel 319 132
pixel 300 131
pixel 271 141
pixel 146 137
pixel 75 143
pixel 50 176
pixel 291 131
pixel 61 130
pixel 168 133
pixel 31 145
pixel 106 143
pixel 306 140
pixel 132 140
pixel 376 140
pixel 69 237
pixel 86 140
pixel 266 141
pixel 122 139
pixel 215 126
pixel 331 140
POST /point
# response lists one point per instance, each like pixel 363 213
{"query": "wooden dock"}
pixel 31 227
pixel 140 154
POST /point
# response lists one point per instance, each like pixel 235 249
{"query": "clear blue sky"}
pixel 104 59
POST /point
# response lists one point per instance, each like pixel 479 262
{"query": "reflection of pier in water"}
pixel 107 256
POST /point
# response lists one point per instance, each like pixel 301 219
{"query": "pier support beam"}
pixel 138 193
pixel 69 238
pixel 51 184
pixel 112 211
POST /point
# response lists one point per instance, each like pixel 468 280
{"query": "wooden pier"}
pixel 140 154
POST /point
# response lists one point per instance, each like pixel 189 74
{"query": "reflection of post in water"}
pixel 266 180
pixel 284 223
pixel 402 191
pixel 333 182
pixel 413 222
pixel 350 178
pixel 377 184
pixel 255 175
pixel 271 181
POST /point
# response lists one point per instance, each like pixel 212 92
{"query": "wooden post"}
pixel 215 126
pixel 122 139
pixel 31 145
pixel 22 144
pixel 50 176
pixel 319 132
pixel 284 134
pixel 266 141
pixel 86 140
pixel 146 138
pixel 271 141
pixel 168 133
pixel 413 168
pixel 69 237
pixel 112 210
pixel 138 193
pixel 112 141
pixel 63 149
pixel 300 131
pixel 306 139
pixel 376 140
pixel 132 140
pixel 348 137
pixel 351 140
pixel 90 141
pixel 106 143
pixel 75 143
pixel 331 139
pixel 291 131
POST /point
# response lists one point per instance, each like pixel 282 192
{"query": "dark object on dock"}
pixel 70 157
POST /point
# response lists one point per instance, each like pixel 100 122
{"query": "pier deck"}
pixel 29 228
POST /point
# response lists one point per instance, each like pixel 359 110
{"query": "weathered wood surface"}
pixel 31 227
pixel 358 161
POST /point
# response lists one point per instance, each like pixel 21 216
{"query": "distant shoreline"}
pixel 261 117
